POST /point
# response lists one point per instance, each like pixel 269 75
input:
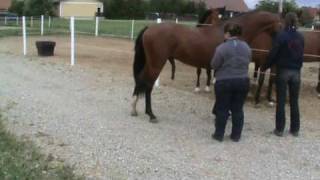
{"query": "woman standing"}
pixel 231 64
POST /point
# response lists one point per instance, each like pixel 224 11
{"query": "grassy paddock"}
pixel 115 28
pixel 22 160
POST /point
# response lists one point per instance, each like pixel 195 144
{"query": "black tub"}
pixel 45 48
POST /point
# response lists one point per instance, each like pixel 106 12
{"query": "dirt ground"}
pixel 81 115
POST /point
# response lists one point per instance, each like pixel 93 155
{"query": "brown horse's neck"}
pixel 256 22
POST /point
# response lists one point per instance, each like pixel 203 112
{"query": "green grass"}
pixel 21 160
pixel 116 28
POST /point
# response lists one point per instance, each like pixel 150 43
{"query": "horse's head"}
pixel 210 17
pixel 256 22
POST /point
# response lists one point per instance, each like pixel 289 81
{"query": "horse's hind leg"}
pixel 153 118
pixel 134 103
pixel 173 70
pixel 197 89
pixel 318 86
pixel 207 89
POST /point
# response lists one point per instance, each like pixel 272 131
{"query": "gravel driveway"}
pixel 81 115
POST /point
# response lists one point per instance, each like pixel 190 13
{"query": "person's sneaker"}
pixel 278 133
pixel 294 133
pixel 216 137
pixel 235 138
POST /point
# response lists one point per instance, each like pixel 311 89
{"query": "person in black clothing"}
pixel 231 63
pixel 287 54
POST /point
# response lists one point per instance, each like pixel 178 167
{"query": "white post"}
pixel 177 21
pixel 97 26
pixel 5 20
pixel 157 83
pixel 49 23
pixel 132 29
pixel 31 21
pixel 17 19
pixel 24 33
pixel 312 27
pixel 42 22
pixel 72 41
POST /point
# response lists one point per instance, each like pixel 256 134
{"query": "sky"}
pixel 252 3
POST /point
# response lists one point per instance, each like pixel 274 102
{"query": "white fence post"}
pixel 157 83
pixel 49 23
pixel 312 27
pixel 132 29
pixel 97 26
pixel 24 33
pixel 5 20
pixel 177 21
pixel 31 21
pixel 42 21
pixel 17 20
pixel 72 41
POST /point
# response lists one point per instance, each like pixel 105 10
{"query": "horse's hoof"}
pixel 134 113
pixel 153 120
pixel 271 103
pixel 207 89
pixel 197 89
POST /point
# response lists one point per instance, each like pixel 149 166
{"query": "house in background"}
pixel 232 6
pixel 4 5
pixel 78 8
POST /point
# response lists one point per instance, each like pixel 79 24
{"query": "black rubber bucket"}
pixel 45 48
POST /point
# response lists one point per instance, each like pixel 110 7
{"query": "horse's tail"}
pixel 139 62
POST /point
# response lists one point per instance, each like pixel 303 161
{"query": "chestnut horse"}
pixel 192 46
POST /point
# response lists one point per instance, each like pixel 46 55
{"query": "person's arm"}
pixel 217 59
pixel 272 57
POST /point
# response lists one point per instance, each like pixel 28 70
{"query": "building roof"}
pixel 312 11
pixel 5 4
pixel 231 5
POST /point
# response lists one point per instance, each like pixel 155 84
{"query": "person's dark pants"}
pixel 291 79
pixel 230 96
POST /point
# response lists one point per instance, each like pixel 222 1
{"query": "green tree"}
pixel 17 7
pixel 38 7
pixel 273 6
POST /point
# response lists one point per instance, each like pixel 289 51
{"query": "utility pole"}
pixel 280 6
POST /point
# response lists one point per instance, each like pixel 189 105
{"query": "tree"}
pixel 38 7
pixel 306 18
pixel 17 7
pixel 273 6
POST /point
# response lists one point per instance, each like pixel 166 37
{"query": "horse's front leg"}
pixel 271 82
pixel 197 89
pixel 207 89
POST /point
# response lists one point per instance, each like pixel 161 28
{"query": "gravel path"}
pixel 82 115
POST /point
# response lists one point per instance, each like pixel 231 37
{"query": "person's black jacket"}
pixel 287 50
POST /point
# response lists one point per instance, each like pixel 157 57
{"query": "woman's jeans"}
pixel 230 96
pixel 291 79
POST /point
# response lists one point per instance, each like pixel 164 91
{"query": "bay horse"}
pixel 262 44
pixel 192 46
pixel 311 54
pixel 209 18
